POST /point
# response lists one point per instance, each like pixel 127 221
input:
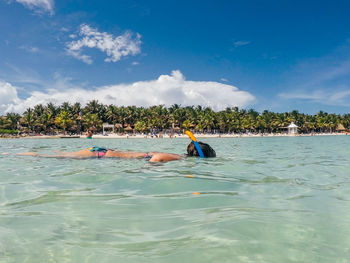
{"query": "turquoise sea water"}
pixel 261 200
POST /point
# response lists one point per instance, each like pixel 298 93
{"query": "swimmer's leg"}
pixel 28 154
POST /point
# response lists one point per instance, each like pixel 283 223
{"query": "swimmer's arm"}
pixel 164 157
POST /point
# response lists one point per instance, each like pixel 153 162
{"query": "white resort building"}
pixel 292 128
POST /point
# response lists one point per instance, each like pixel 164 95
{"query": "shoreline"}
pixel 177 136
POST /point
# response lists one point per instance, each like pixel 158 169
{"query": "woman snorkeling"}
pixel 98 152
pixel 195 148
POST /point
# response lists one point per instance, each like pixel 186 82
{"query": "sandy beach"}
pixel 167 136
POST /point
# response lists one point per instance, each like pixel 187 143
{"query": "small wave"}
pixel 267 179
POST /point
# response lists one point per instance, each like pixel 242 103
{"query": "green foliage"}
pixel 92 121
pixel 140 126
pixel 64 120
pixel 49 118
pixel 6 131
pixel 186 124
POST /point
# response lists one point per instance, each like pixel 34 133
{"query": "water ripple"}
pixel 259 197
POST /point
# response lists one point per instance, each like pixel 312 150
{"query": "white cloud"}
pixel 39 5
pixel 223 79
pixel 30 49
pixel 115 47
pixel 340 96
pixel 327 97
pixel 241 43
pixel 315 72
pixel 316 95
pixel 322 80
pixel 167 90
pixel 8 96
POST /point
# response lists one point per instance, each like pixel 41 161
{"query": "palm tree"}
pixel 208 119
pixel 264 121
pixel 38 110
pixel 158 116
pixel 46 120
pixel 66 107
pixel 28 119
pixel 92 121
pixel 42 118
pixel 186 124
pixel 321 121
pixel 140 126
pixel 76 109
pixel 52 109
pixel 13 119
pixel 346 121
pixel 122 115
pixel 4 123
pixel 221 121
pixel 94 107
pixel 112 114
pixel 64 120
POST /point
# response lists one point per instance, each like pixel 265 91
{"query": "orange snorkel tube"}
pixel 196 144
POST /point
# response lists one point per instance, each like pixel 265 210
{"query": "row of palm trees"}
pixel 74 118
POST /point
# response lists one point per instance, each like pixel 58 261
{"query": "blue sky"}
pixel 275 55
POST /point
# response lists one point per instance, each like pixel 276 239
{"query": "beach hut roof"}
pixel 340 127
pixel 292 125
pixel 107 125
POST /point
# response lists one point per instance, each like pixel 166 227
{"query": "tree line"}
pixel 74 118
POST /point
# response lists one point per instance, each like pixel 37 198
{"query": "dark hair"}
pixel 206 149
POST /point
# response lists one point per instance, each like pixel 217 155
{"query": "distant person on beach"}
pixel 97 152
pixel 89 134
